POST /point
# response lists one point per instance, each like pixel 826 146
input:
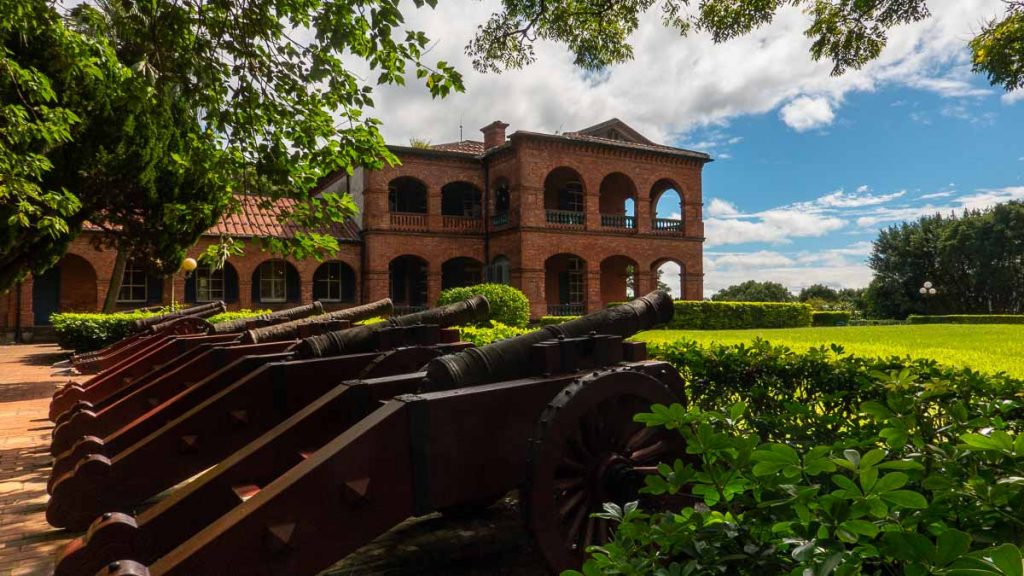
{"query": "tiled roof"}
pixel 252 220
pixel 466 147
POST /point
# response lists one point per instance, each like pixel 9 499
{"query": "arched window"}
pixel 134 283
pixel 407 195
pixel 501 270
pixel 617 201
pixel 334 282
pixel 275 281
pixel 461 271
pixel 460 199
pixel 209 285
pixel 564 200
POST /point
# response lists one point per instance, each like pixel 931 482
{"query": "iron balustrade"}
pixel 576 309
pixel 566 218
pixel 499 219
pixel 618 221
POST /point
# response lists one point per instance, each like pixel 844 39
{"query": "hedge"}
pixel 84 332
pixel 830 318
pixel 509 305
pixel 877 322
pixel 481 335
pixel 238 315
pixel 549 320
pixel 707 315
pixel 968 319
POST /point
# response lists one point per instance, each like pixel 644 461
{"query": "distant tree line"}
pixel 975 262
pixel 819 296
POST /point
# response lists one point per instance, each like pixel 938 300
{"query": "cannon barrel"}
pixel 510 359
pixel 363 338
pixel 202 310
pixel 263 320
pixel 290 330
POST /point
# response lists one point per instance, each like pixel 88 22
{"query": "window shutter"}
pixel 256 286
pixel 190 288
pixel 293 288
pixel 154 290
pixel 348 283
pixel 230 284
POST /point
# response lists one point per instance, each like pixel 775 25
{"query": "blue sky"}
pixel 808 166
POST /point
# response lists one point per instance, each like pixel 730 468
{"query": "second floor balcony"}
pixel 566 218
pixel 618 222
pixel 413 221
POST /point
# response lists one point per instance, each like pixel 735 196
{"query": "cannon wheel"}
pixel 587 450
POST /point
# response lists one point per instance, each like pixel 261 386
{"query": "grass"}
pixel 986 348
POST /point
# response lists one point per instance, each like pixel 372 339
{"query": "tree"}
pixel 279 109
pixel 818 291
pixel 754 291
pixel 849 33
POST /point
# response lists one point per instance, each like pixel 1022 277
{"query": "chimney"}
pixel 494 134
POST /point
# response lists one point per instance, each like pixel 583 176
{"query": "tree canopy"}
pixel 754 291
pixel 975 262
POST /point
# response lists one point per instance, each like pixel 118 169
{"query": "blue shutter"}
pixel 292 286
pixel 348 283
pixel 190 288
pixel 154 290
pixel 230 284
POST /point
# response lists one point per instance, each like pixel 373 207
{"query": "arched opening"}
pixel 461 199
pixel 565 286
pixel 461 271
pixel 669 276
pixel 501 270
pixel 276 281
pixel 618 279
pixel 408 283
pixel 502 202
pixel 206 284
pixel 564 198
pixel 138 287
pixel 334 281
pixel 667 207
pixel 70 286
pixel 618 202
pixel 407 195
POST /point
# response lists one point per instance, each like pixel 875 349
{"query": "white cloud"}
pixel 806 113
pixel 863 189
pixel 1012 97
pixel 840 199
pixel 718 207
pixel 775 226
pixel 839 268
pixel 933 195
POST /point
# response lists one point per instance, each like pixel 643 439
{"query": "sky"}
pixel 808 167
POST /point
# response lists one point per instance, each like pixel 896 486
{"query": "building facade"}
pixel 575 220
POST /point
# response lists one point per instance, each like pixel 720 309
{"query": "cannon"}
pixel 204 423
pixel 549 413
pixel 170 349
pixel 92 362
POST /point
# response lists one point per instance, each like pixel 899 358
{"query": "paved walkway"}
pixel 27 543
pixel 493 543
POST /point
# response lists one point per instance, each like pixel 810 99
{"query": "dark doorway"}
pixel 45 296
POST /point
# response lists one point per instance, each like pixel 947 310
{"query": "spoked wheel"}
pixel 588 451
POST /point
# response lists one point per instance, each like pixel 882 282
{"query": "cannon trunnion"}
pixel 359 456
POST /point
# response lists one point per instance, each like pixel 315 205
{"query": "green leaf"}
pixel 891 481
pixel 992 442
pixel 951 545
pixel 862 527
pixel 905 499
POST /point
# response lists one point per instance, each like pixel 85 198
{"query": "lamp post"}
pixel 927 291
pixel 187 266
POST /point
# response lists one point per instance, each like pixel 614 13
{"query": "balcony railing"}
pixel 467 224
pixel 576 309
pixel 499 220
pixel 566 218
pixel 620 221
pixel 408 221
pixel 668 226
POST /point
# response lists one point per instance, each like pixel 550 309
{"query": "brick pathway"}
pixel 27 542
pixel 493 543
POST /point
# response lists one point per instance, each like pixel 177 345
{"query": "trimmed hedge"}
pixel 830 318
pixel 967 319
pixel 509 305
pixel 549 320
pixel 707 315
pixel 481 335
pixel 239 315
pixel 878 322
pixel 85 332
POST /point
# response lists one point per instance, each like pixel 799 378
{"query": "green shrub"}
pixel 707 315
pixel 508 305
pixel 967 319
pixel 85 332
pixel 237 315
pixel 549 320
pixel 877 322
pixel 826 463
pixel 481 335
pixel 830 318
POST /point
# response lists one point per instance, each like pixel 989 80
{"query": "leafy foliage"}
pixel 508 304
pixel 829 318
pixel 754 291
pixel 236 315
pixel 975 261
pixel 481 335
pixel 549 320
pixel 704 315
pixel 998 48
pixel 825 463
pixel 85 332
pixel 968 319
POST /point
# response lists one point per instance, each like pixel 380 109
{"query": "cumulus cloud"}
pixel 718 207
pixel 862 197
pixel 839 268
pixel 806 113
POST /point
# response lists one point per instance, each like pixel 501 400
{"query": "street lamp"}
pixel 927 290
pixel 187 266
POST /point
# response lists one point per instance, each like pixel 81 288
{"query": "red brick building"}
pixel 571 219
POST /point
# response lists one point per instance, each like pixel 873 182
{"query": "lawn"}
pixel 988 348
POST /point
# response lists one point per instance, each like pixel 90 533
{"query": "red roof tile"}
pixel 466 147
pixel 252 220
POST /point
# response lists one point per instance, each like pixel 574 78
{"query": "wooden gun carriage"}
pixel 549 413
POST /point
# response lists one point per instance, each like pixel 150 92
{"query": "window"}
pixel 273 281
pixel 500 271
pixel 209 284
pixel 133 284
pixel 572 197
pixel 575 281
pixel 327 282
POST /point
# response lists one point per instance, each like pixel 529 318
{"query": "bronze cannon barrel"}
pixel 270 319
pixel 202 311
pixel 510 359
pixel 363 338
pixel 290 330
